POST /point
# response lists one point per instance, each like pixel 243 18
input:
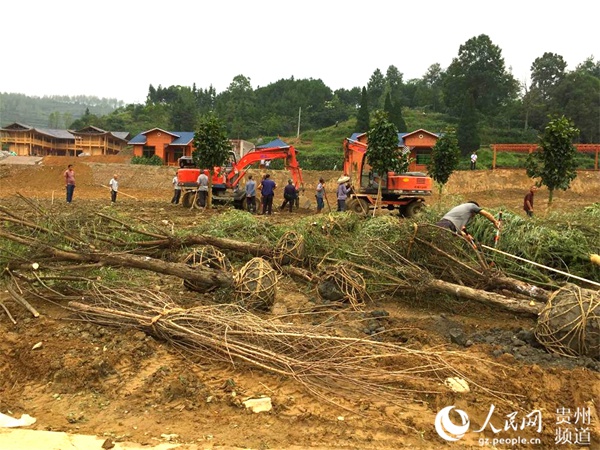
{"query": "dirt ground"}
pixel 128 386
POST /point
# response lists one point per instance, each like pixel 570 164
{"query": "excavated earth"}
pixel 125 385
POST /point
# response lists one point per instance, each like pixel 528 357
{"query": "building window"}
pixel 177 153
pixel 423 156
pixel 148 151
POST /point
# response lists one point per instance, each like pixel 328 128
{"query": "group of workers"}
pixel 455 220
pixel 69 176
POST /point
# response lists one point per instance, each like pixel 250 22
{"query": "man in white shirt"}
pixel 202 188
pixel 176 190
pixel 473 160
pixel 114 188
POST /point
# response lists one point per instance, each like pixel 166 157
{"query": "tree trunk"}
pixel 200 274
pixel 507 303
pixel 209 195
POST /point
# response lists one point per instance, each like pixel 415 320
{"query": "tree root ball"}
pixel 255 285
pixel 340 284
pixel 569 324
pixel 209 257
pixel 289 249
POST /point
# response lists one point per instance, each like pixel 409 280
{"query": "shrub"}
pixel 153 161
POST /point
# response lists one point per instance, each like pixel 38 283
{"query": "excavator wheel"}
pixel 412 209
pixel 188 199
pixel 358 206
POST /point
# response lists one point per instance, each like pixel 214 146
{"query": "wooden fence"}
pixel 528 148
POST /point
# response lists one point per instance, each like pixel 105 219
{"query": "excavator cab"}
pixel 403 191
pixel 186 162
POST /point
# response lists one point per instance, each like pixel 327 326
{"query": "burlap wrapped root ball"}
pixel 341 284
pixel 206 257
pixel 289 249
pixel 569 324
pixel 255 285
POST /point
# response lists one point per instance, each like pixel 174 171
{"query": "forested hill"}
pixel 52 111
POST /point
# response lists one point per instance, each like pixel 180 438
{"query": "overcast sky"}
pixel 116 49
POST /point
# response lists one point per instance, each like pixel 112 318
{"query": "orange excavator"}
pixel 226 179
pixel 404 191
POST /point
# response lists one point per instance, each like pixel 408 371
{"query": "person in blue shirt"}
pixel 267 190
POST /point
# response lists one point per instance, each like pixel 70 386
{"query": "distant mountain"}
pixel 52 111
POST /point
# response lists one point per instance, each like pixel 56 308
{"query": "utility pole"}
pixel 299 114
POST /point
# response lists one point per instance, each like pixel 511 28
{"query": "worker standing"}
pixel 176 189
pixel 528 201
pixel 267 190
pixel 251 194
pixel 114 188
pixel 202 188
pixel 289 195
pixel 473 160
pixel 320 194
pixel 342 192
pixel 70 182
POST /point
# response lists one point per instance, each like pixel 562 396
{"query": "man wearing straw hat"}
pixel 342 192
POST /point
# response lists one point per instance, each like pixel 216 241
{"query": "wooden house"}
pixel 24 140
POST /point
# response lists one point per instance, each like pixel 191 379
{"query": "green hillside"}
pixel 51 112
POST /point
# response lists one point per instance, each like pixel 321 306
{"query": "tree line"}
pixel 476 94
pixel 52 111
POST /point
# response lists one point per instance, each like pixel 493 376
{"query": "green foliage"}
pixel 468 128
pixel 560 241
pixel 154 160
pixel 212 146
pixel 394 111
pixel 238 224
pixel 554 160
pixel 331 160
pixel 363 119
pixel 578 97
pixel 384 227
pixel 479 72
pixel 547 72
pixel 184 111
pixel 384 154
pixel 52 111
pixel 445 157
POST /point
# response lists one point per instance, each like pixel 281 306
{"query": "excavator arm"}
pixel 267 154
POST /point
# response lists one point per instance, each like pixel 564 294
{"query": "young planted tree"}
pixel 445 156
pixel 212 147
pixel 553 162
pixel 383 153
